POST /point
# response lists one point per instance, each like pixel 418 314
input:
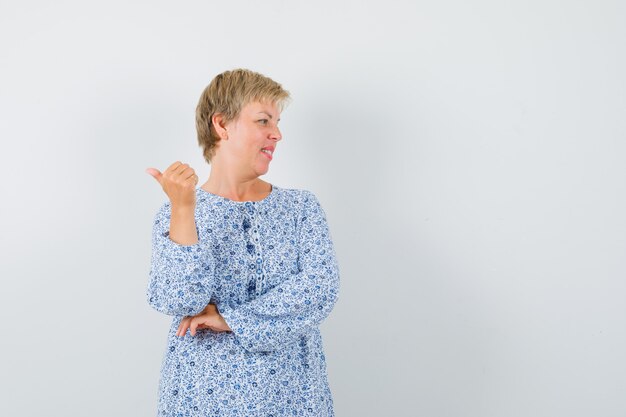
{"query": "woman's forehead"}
pixel 262 106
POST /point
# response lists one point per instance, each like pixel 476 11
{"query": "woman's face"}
pixel 254 131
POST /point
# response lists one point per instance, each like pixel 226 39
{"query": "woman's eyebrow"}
pixel 267 114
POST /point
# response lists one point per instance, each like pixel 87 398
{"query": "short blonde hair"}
pixel 228 93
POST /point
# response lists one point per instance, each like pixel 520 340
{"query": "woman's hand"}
pixel 209 318
pixel 179 182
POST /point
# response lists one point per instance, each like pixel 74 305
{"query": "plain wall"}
pixel 469 156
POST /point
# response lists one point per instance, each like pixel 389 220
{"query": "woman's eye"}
pixel 263 121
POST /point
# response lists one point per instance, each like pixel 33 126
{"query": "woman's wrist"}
pixel 183 209
pixel 183 225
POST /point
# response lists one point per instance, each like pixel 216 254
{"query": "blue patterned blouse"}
pixel 270 268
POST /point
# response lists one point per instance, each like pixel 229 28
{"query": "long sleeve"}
pixel 181 276
pixel 302 301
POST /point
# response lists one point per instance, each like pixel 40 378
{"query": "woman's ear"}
pixel 217 120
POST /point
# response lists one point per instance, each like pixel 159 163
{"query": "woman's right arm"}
pixel 181 275
pixel 182 270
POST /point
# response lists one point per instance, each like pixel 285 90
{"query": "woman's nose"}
pixel 275 134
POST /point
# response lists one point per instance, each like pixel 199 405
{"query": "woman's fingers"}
pixel 192 178
pixel 183 326
pixel 189 176
pixel 178 182
pixel 204 321
pixel 155 173
pixel 193 326
pixel 207 320
pixel 180 167
pixel 173 166
pixel 182 172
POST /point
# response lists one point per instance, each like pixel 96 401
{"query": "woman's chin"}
pixel 262 169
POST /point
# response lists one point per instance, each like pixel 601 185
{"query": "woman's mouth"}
pixel 267 153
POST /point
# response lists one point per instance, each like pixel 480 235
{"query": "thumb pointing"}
pixel 155 173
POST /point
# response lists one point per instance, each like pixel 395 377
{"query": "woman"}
pixel 246 268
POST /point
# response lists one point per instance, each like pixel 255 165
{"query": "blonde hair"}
pixel 227 94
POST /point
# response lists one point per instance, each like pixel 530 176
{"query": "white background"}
pixel 469 156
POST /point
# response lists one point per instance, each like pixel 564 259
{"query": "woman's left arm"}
pixel 302 301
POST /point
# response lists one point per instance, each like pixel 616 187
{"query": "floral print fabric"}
pixel 271 269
